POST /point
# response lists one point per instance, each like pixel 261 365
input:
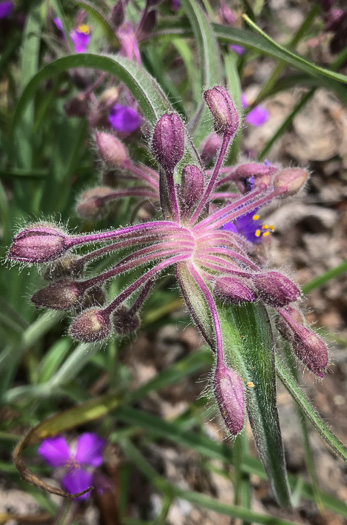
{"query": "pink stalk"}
pixel 139 191
pixel 219 237
pixel 141 297
pixel 210 186
pixel 235 255
pixel 212 262
pixel 212 307
pixel 141 280
pixel 160 248
pixel 224 195
pixel 144 173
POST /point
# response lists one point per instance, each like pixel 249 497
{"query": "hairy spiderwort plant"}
pixel 230 296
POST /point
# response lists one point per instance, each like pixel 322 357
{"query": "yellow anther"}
pixel 250 384
pixel 83 28
pixel 271 228
pixel 257 233
pixel 255 217
pixel 265 234
pixel 264 227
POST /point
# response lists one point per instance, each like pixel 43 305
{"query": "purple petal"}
pixel 80 38
pixel 238 49
pixel 55 451
pixel 128 41
pixel 6 9
pixel 246 226
pixel 77 480
pixel 244 102
pixel 89 449
pixel 124 118
pixel 258 116
pixel 58 24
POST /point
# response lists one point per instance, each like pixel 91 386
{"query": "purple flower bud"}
pixel 209 147
pixel 307 346
pixel 168 141
pixel 227 15
pixel 117 14
pixel 60 295
pixel 230 398
pixel 92 203
pixel 125 322
pixel 240 50
pixel 283 327
pixel 226 119
pixel 111 149
pixel 91 326
pixel 78 105
pixel 124 118
pixel 232 290
pixel 258 172
pixel 39 243
pixel 149 22
pixel 192 186
pixel 6 9
pixel 68 266
pixel 290 181
pixel 275 289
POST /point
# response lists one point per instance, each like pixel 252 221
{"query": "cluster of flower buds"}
pixel 192 236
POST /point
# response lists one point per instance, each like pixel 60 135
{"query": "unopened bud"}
pixel 93 203
pixel 78 105
pixel 283 327
pixel 192 186
pixel 111 150
pixel 289 181
pixel 307 346
pixel 39 243
pixel 230 398
pixel 117 14
pixel 259 174
pixel 168 141
pixel 91 326
pixel 149 22
pixel 227 15
pixel 209 147
pixel 60 295
pixel 68 266
pixel 125 322
pixel 233 290
pixel 275 289
pixel 226 119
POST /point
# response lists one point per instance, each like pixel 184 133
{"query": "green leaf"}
pixel 248 348
pixel 209 59
pixel 295 391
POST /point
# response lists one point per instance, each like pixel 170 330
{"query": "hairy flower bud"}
pixel 275 289
pixel 60 295
pixel 117 14
pixel 125 322
pixel 209 147
pixel 93 203
pixel 91 326
pixel 284 328
pixel 307 345
pixel 230 398
pixel 232 290
pixel 39 243
pixel 111 150
pixel 226 119
pixel 192 186
pixel 68 266
pixel 168 141
pixel 289 181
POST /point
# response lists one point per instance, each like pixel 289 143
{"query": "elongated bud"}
pixel 307 345
pixel 78 106
pixel 117 14
pixel 209 147
pixel 232 290
pixel 192 186
pixel 91 326
pixel 260 174
pixel 284 328
pixel 92 203
pixel 111 150
pixel 275 289
pixel 39 243
pixel 230 398
pixel 289 181
pixel 125 322
pixel 168 141
pixel 68 266
pixel 60 295
pixel 226 119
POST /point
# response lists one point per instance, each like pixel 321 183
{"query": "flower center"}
pixel 83 28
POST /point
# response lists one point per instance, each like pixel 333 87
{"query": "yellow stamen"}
pixel 83 28
pixel 255 217
pixel 257 233
pixel 250 384
pixel 264 227
pixel 266 234
pixel 271 228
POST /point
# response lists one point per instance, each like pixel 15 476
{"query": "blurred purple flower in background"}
pixel 129 46
pixel 57 453
pixel 175 5
pixel 238 49
pixel 257 116
pixel 79 36
pixel 124 118
pixel 6 9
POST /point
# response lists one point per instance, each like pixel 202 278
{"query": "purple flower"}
pixel 80 36
pixel 57 453
pixel 128 42
pixel 175 5
pixel 124 118
pixel 257 116
pixel 238 49
pixel 249 226
pixel 6 9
